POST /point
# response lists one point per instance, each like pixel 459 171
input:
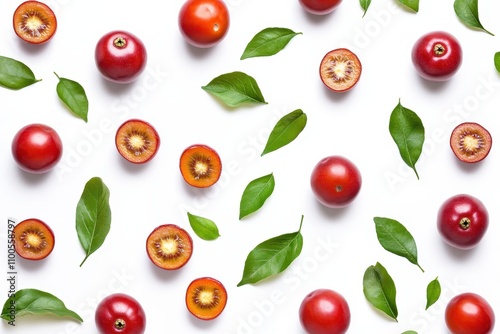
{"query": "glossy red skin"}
pixel 324 311
pixel 468 313
pixel 37 148
pixel 124 307
pixel 335 181
pixel 320 7
pixel 432 66
pixel 450 214
pixel 120 64
pixel 197 19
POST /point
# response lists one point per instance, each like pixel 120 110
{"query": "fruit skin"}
pixel 437 56
pixel 468 313
pixel 37 148
pixel 462 221
pixel 324 311
pixel 46 233
pixel 335 181
pixel 49 20
pixel 214 286
pixel 475 130
pixel 320 7
pixel 204 23
pixel 148 130
pixel 120 56
pixel 120 313
pixel 207 155
pixel 181 235
pixel 351 70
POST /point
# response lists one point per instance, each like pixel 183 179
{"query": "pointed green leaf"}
pixel 235 88
pixel 433 292
pixel 74 97
pixel 496 60
pixel 36 302
pixel 467 12
pixel 395 238
pixel 205 228
pixel 365 4
pixel 408 132
pixel 412 4
pixel 268 42
pixel 286 130
pixel 15 74
pixel 93 216
pixel 272 257
pixel 255 194
pixel 380 291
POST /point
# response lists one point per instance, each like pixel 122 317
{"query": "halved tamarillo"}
pixel 200 165
pixel 470 142
pixel 169 246
pixel 206 298
pixel 34 22
pixel 340 70
pixel 33 239
pixel 137 141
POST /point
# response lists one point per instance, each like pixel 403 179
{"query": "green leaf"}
pixel 408 132
pixel 203 227
pixel 286 130
pixel 272 257
pixel 15 74
pixel 380 291
pixel 412 4
pixel 467 12
pixel 235 88
pixel 433 292
pixel 409 332
pixel 35 302
pixel 395 238
pixel 268 42
pixel 496 59
pixel 365 4
pixel 74 97
pixel 255 194
pixel 93 216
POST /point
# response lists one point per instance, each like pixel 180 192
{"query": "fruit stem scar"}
pixel 465 223
pixel 338 188
pixel 119 324
pixel 120 42
pixel 439 49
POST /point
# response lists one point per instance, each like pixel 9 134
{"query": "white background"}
pixel 338 244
